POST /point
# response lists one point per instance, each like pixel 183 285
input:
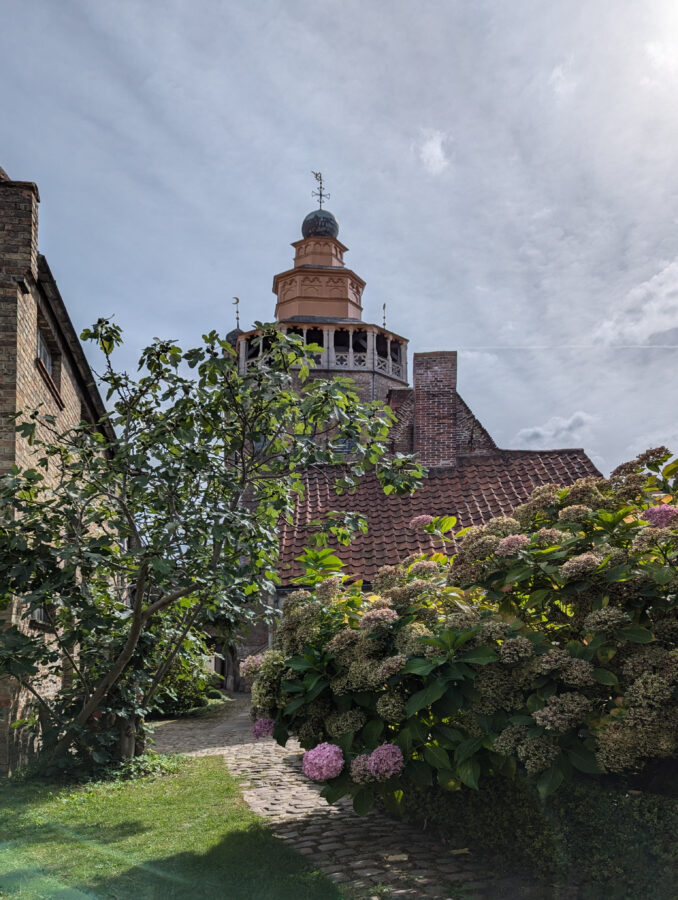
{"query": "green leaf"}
pixel 467 748
pixel 445 523
pixel 345 741
pixel 371 732
pixel 437 757
pixel 479 656
pixel 534 702
pixel 418 666
pixel 334 792
pixel 404 741
pixel 294 705
pixel 429 695
pixel 363 801
pixel 469 773
pixel 670 469
pixel 420 772
pixel 299 664
pixel 549 781
pixel 537 597
pixel 447 780
pixel 519 573
pixel 521 720
pixel 604 676
pixel 636 634
pixel 281 734
pixel 584 760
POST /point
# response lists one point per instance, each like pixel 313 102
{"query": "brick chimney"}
pixel 19 236
pixel 435 393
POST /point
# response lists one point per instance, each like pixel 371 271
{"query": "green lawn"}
pixel 187 835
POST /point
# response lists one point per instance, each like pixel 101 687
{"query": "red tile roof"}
pixel 478 488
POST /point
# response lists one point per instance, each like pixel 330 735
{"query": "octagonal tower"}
pixel 321 300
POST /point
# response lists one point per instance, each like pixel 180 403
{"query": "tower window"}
pixel 360 342
pixel 382 346
pixel 341 341
pixel 395 352
pixel 315 336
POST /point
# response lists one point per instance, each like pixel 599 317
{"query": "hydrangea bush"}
pixel 545 644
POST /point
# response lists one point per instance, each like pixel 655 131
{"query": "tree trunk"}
pixel 127 734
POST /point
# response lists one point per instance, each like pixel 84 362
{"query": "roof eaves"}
pixel 49 291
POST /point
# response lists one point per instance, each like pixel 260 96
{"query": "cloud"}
pixel 432 152
pixel 562 80
pixel 648 315
pixel 556 431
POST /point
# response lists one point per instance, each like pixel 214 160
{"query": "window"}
pixel 315 336
pixel 44 353
pixel 48 359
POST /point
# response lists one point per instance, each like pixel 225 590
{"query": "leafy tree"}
pixel 125 546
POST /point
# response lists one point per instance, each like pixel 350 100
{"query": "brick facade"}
pixel 41 363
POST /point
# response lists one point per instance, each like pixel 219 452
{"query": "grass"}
pixel 186 835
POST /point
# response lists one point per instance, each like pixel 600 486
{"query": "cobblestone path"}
pixel 374 856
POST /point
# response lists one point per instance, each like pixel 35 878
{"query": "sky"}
pixel 504 174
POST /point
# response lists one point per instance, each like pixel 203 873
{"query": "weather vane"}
pixel 320 194
pixel 236 303
pixel 383 309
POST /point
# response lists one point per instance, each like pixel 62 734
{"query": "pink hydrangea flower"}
pixel 662 515
pixel 360 770
pixel 385 762
pixel 380 616
pixel 420 521
pixel 250 666
pixel 263 728
pixel 510 545
pixel 323 762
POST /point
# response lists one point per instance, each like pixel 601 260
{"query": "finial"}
pixel 383 309
pixel 236 303
pixel 320 194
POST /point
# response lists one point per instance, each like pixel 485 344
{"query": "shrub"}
pixel 546 645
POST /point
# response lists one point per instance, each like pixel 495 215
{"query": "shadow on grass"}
pixel 242 866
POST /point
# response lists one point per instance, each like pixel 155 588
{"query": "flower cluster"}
pixel 339 723
pixel 419 522
pixel 328 590
pixel 562 711
pixel 550 537
pixel 502 526
pixel 391 706
pixel 360 772
pixel 392 665
pixel 263 728
pixel 387 577
pixel 323 762
pixel 378 618
pixel 607 619
pixel 249 667
pixel 510 545
pixel 579 566
pixel 385 762
pixel 575 513
pixel 425 568
pixel 662 515
pixel 516 649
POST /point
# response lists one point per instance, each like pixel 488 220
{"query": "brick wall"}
pixel 24 308
pixel 435 383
